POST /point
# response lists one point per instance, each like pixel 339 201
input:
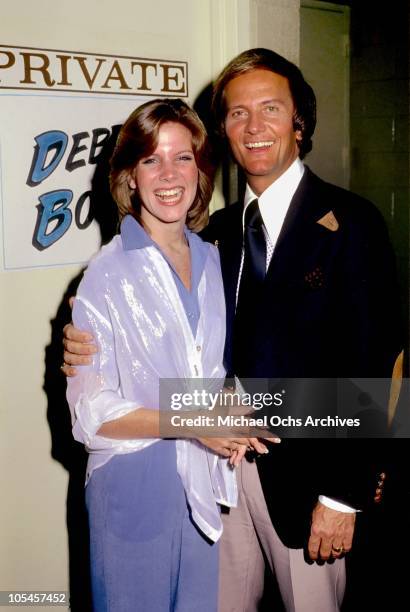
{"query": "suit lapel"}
pixel 300 229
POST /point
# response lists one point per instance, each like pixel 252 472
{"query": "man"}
pixel 327 306
pixel 310 293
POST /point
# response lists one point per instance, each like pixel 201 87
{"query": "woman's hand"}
pixel 234 448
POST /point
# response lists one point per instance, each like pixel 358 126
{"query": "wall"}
pixel 39 461
pixel 275 24
pixel 380 118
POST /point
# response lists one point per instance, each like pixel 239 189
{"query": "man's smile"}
pixel 263 144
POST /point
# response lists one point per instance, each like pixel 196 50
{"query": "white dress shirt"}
pixel 274 203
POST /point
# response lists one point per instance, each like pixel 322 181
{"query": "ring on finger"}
pixel 338 549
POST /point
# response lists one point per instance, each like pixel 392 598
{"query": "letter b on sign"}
pixel 53 208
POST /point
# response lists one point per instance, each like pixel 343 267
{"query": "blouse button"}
pixel 198 348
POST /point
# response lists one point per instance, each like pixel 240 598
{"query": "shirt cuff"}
pixel 335 505
pixel 92 413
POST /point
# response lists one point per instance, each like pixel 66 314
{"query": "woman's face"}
pixel 167 179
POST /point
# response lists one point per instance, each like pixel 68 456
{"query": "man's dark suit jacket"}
pixel 328 308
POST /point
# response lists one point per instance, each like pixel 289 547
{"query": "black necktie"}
pixel 254 251
pixel 250 289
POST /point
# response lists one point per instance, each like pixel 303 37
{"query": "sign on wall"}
pixel 58 109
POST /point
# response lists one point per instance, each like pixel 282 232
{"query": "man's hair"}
pixel 304 100
pixel 138 138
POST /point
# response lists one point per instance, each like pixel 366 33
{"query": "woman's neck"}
pixel 168 236
pixel 172 241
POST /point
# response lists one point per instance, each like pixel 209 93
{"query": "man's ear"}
pixel 299 136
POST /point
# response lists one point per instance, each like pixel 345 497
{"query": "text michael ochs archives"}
pixel 178 420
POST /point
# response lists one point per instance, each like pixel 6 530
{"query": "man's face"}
pixel 259 126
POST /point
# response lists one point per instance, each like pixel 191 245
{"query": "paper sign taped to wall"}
pixel 53 139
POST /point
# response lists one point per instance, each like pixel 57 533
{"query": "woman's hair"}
pixel 138 138
pixel 304 100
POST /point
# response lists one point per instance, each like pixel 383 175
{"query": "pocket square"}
pixel 329 221
pixel 315 278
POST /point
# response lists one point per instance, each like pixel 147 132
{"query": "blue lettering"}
pixel 79 209
pixel 45 143
pixel 98 143
pixel 77 148
pixel 53 207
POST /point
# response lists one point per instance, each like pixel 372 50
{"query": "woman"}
pixel 153 299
